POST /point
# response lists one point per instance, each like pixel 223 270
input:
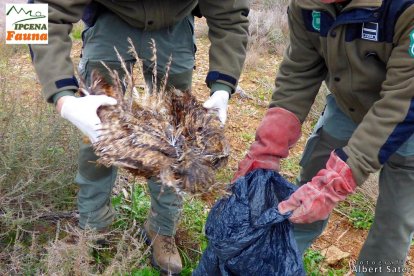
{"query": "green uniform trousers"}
pixel 96 182
pixel 386 247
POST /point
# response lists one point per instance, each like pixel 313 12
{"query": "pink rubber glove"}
pixel 316 199
pixel 278 131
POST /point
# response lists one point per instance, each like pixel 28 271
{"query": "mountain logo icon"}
pixel 28 13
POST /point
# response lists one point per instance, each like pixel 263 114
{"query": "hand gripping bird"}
pixel 168 135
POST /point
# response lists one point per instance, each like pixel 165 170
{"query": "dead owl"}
pixel 167 135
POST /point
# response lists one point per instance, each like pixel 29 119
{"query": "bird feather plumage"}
pixel 168 135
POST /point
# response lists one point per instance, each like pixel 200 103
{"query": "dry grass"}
pixel 268 30
pixel 37 159
pixel 127 251
pixel 64 258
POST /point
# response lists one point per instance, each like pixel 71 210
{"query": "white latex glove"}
pixel 82 112
pixel 219 101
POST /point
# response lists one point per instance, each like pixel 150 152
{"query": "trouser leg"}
pixel 166 208
pixel 96 181
pixel 389 239
pixel 176 42
pixel 332 131
pixel 315 156
pixel 386 247
pixel 181 81
pixel 175 52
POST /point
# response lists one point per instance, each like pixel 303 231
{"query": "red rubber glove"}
pixel 278 131
pixel 316 199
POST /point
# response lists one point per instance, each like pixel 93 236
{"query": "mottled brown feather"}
pixel 166 135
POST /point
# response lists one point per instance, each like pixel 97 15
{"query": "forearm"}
pixel 297 85
pixel 52 61
pixel 390 121
pixel 302 70
pixel 228 33
pixel 385 128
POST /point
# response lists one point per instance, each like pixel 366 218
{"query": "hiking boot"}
pixel 164 252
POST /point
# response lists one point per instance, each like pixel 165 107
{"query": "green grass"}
pixel 76 33
pixel 148 271
pixel 224 175
pixel 290 168
pixel 193 221
pixel 135 207
pixel 264 90
pixel 314 264
pixel 291 164
pixel 247 137
pixel 38 160
pixel 312 261
pixel 359 210
pixel 361 219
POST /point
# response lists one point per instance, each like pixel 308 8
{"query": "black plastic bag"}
pixel 247 234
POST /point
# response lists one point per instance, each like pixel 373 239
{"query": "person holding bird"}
pixel 363 51
pixel 109 24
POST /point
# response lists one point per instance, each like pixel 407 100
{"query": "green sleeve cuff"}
pixel 60 94
pixel 220 86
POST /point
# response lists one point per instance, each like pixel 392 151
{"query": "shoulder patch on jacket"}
pixel 411 48
pixel 316 20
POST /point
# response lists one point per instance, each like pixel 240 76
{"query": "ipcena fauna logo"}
pixel 26 24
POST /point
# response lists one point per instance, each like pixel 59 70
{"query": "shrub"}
pixel 268 31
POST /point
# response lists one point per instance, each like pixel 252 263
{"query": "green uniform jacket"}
pixel 228 33
pixel 365 55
